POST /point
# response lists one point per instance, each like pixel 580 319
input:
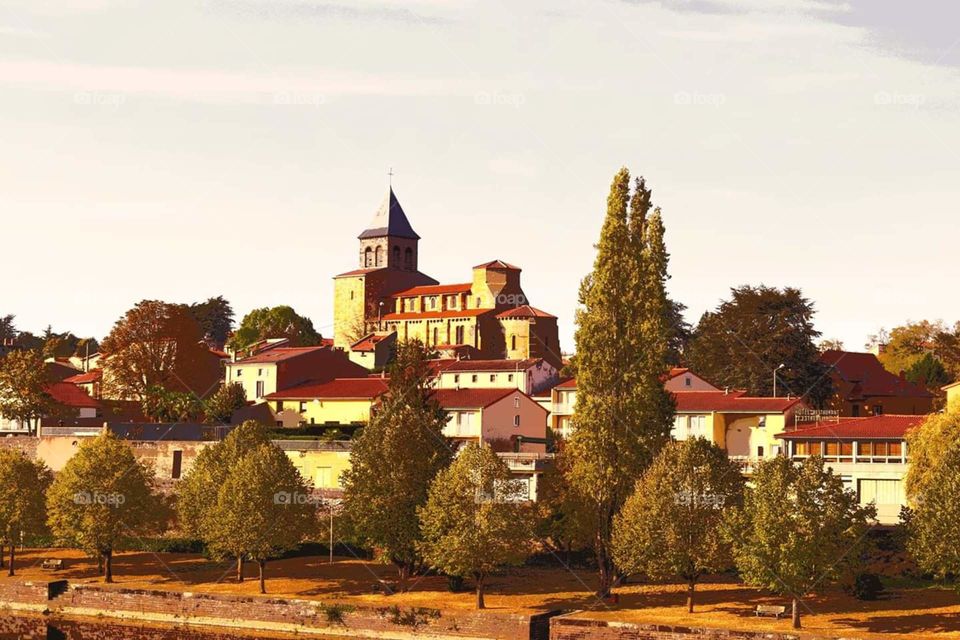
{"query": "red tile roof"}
pixel 569 383
pixel 732 402
pixel 358 272
pixel 434 290
pixel 893 427
pixel 493 365
pixel 279 353
pixel 70 395
pixel 676 371
pixel 435 315
pixel 223 355
pixel 340 389
pixel 471 398
pixel 366 343
pixel 94 375
pixel 868 377
pixel 497 264
pixel 525 311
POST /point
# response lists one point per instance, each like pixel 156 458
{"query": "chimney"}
pixel 726 391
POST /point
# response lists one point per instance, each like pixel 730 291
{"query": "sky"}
pixel 181 150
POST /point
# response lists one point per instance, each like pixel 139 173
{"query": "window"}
pixel 459 333
pixel 408 259
pixel 396 256
pixel 473 378
pixel 687 381
pixel 513 342
pixel 239 372
pixel 762 421
pixel 881 492
pixel 878 409
pixel 846 449
pixel 866 448
pixel 478 303
pixel 177 464
pixel 279 405
pixel 832 449
pixel 351 295
pixel 516 403
pixel 436 334
pixel 259 373
pixel 378 256
pixel 493 377
pixel 801 448
pixel 259 388
pixel 855 411
pixel 896 449
pixel 456 378
pixel 368 257
pixel 303 406
pixel 516 421
pixel 759 452
pixel 509 377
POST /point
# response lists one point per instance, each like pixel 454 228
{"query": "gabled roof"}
pixel 94 375
pixel 730 402
pixel 390 220
pixel 525 311
pixel 569 383
pixel 508 366
pixel 497 264
pixel 868 376
pixel 368 342
pixel 358 272
pixel 337 389
pixel 70 395
pixel 279 354
pixel 435 315
pixel 434 290
pixel 887 426
pixel 473 398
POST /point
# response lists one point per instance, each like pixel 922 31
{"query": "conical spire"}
pixel 390 220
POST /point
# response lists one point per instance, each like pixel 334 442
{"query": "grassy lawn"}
pixel 906 610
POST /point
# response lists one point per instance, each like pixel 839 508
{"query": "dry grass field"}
pixel 902 612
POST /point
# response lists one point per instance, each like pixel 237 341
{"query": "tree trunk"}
pixel 2 547
pixel 108 567
pixel 404 576
pixel 690 591
pixel 480 603
pixel 239 568
pixel 796 613
pixel 605 567
pixel 263 585
pixel 12 547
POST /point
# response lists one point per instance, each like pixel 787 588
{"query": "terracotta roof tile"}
pixel 434 290
pixel 497 264
pixel 525 311
pixel 471 398
pixel 732 402
pixel 94 375
pixel 339 388
pixel 436 315
pixel 493 365
pixel 887 426
pixel 867 375
pixel 278 354
pixel 70 395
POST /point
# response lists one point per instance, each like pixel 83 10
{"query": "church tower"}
pixel 388 263
pixel 389 240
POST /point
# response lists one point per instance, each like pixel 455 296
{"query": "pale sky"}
pixel 180 150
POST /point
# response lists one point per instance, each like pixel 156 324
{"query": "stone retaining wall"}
pixel 569 627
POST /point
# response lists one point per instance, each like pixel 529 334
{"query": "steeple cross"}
pixel 390 173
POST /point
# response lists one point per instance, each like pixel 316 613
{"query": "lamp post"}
pixel 775 378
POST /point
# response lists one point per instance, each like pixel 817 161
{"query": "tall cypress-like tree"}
pixel 623 415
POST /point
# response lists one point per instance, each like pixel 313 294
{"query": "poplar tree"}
pixel 623 414
pixel 394 460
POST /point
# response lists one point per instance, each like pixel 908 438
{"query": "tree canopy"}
pixel 101 495
pixel 672 525
pixel 404 435
pixel 747 337
pixel 158 344
pixel 798 528
pixel 24 383
pixel 472 523
pixel 624 414
pixel 220 407
pixel 23 486
pixel 215 317
pixel 275 322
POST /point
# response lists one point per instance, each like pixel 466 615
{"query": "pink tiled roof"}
pixel 888 426
pixel 339 388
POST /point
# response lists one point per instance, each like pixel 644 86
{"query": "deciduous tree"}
pixel 275 322
pixel 220 407
pixel 472 522
pixel 24 381
pixel 158 344
pixel 101 495
pixel 23 486
pixel 623 414
pixel 404 436
pixel 742 342
pixel 798 529
pixel 672 525
pixel 215 317
pixel 263 509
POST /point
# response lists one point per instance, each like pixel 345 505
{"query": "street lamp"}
pixel 775 378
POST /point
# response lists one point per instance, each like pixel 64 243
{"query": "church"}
pixel 387 298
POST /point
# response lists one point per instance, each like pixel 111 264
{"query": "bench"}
pixel 770 610
pixel 51 564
